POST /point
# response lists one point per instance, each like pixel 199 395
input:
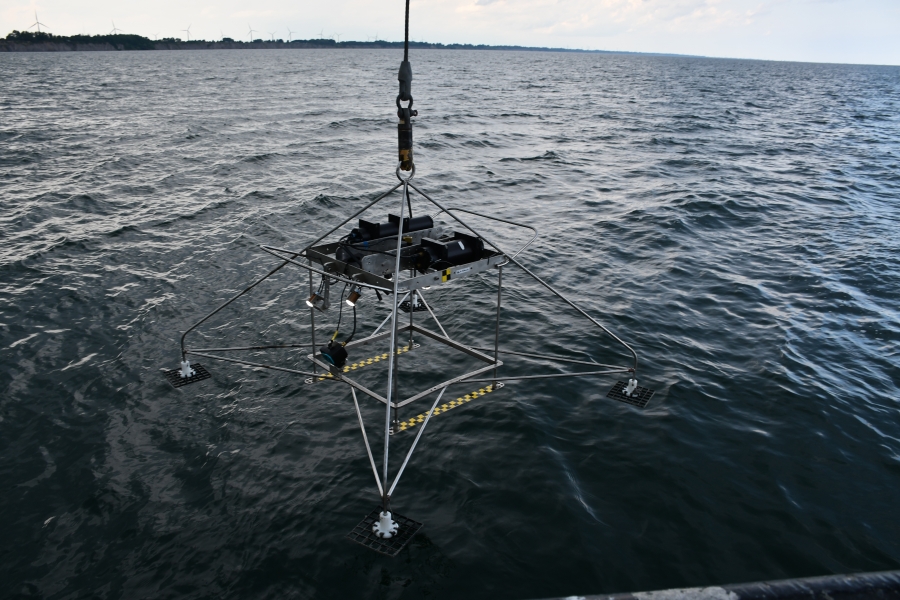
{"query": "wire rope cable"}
pixel 406 35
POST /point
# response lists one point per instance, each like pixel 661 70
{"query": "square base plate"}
pixel 174 376
pixel 640 397
pixel 363 534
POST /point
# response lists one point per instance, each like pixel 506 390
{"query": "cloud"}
pixel 828 30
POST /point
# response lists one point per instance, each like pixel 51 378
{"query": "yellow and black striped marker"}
pixel 363 363
pixel 419 419
pixel 445 275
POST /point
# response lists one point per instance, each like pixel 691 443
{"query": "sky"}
pixel 844 31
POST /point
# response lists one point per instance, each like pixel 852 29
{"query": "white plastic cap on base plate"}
pixel 385 527
pixel 186 370
pixel 632 385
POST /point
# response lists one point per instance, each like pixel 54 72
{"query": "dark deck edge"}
pixel 883 585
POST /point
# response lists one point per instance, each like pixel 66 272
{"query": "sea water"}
pixel 735 221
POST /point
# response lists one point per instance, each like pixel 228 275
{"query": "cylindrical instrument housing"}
pixel 405 141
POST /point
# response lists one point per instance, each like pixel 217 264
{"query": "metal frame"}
pixel 342 377
pixel 316 259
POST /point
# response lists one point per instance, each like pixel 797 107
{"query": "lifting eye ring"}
pixel 410 103
pixel 410 176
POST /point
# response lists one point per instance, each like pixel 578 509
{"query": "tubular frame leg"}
pixel 283 264
pixel 549 287
pixel 415 441
pixel 412 304
pixel 233 298
pixel 431 312
pixel 362 428
pixel 395 420
pixel 388 318
pixel 393 353
pixel 497 328
pixel 312 319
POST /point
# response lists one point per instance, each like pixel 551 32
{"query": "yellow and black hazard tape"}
pixel 363 363
pixel 419 419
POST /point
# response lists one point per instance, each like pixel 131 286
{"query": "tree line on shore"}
pixel 123 41
pixel 128 41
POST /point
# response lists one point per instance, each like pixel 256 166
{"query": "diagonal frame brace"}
pixel 514 260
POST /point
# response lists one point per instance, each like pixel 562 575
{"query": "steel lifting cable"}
pixel 406 34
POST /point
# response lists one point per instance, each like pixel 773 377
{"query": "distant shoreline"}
pixel 25 41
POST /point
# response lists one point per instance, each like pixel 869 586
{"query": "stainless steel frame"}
pixel 319 258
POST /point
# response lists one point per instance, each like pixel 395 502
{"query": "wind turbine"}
pixel 37 22
pixel 290 34
pixel 188 30
pixel 251 33
pixel 115 29
pixel 338 36
pixel 321 34
pixel 272 33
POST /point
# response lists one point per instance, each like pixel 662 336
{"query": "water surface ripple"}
pixel 737 220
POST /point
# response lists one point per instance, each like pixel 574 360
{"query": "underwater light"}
pixel 354 296
pixel 316 301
